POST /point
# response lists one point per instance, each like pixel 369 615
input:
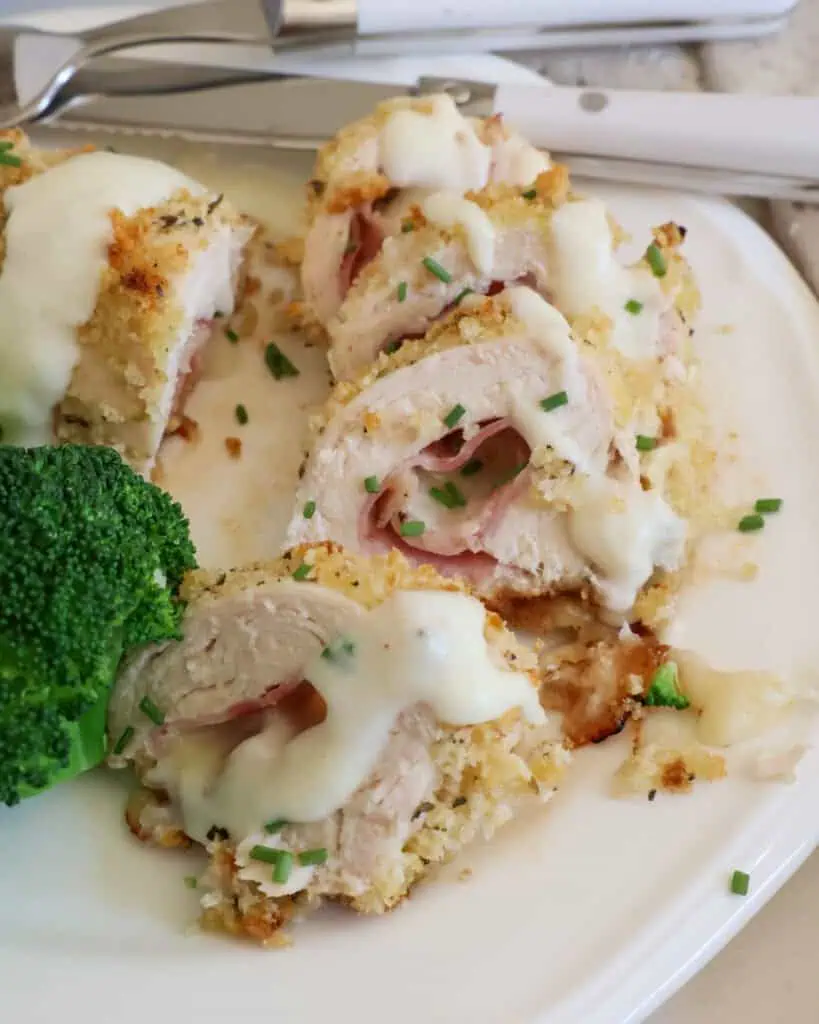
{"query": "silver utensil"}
pixel 697 142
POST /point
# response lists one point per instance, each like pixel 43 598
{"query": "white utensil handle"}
pixel 766 134
pixel 433 15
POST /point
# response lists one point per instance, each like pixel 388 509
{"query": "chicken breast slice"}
pixel 492 450
pixel 102 333
pixel 331 736
pixel 357 194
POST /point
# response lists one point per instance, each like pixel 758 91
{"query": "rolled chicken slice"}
pixel 498 449
pixel 113 270
pixel 367 179
pixel 330 728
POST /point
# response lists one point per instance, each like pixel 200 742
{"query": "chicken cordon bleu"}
pixel 113 269
pixel 503 449
pixel 368 179
pixel 329 727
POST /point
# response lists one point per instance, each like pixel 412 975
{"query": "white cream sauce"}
pixel 436 150
pixel 448 211
pixel 625 532
pixel 517 162
pixel 416 647
pixel 57 237
pixel 585 274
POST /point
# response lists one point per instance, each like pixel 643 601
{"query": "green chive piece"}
pixel 266 854
pixel 461 296
pixel 554 401
pixel 456 413
pixel 310 857
pixel 633 306
pixel 275 826
pixel 241 414
pixel 402 291
pixel 10 160
pixel 656 260
pixel 740 883
pixel 412 528
pixel 5 145
pixel 664 691
pixel 472 467
pixel 406 227
pixel 748 524
pixel 645 443
pixel 333 652
pixel 309 509
pixel 283 867
pixel 150 710
pixel 278 363
pixel 231 335
pixel 191 881
pixel 435 268
pixel 302 572
pixel 371 485
pixel 449 495
pixel 124 739
pixel 391 347
pixel 766 505
pixel 531 194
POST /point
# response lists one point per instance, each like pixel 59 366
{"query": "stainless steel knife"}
pixel 736 144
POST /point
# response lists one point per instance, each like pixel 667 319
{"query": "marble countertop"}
pixel 768 973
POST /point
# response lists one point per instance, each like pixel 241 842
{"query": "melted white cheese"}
pixel 585 274
pixel 415 647
pixel 517 162
pixel 448 210
pixel 625 532
pixel 57 238
pixel 436 150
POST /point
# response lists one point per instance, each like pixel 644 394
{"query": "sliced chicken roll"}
pixel 492 449
pixel 113 269
pixel 330 728
pixel 368 178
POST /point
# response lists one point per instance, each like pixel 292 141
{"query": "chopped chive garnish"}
pixel 456 413
pixel 275 826
pixel 656 260
pixel 241 414
pixel 191 881
pixel 333 651
pixel 554 401
pixel 9 159
pixel 402 291
pixel 748 524
pixel 633 306
pixel 278 363
pixel 231 335
pixel 406 227
pixel 766 505
pixel 283 866
pixel 435 268
pixel 391 347
pixel 266 854
pixel 371 485
pixel 461 296
pixel 530 194
pixel 5 145
pixel 309 509
pixel 124 739
pixel 740 883
pixel 302 572
pixel 448 495
pixel 472 467
pixel 645 443
pixel 664 691
pixel 150 710
pixel 412 528
pixel 310 857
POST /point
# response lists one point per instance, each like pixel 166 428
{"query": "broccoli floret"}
pixel 664 691
pixel 91 558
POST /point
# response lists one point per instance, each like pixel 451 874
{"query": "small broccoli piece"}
pixel 91 558
pixel 664 691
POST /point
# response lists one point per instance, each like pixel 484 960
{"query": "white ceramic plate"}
pixel 590 913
